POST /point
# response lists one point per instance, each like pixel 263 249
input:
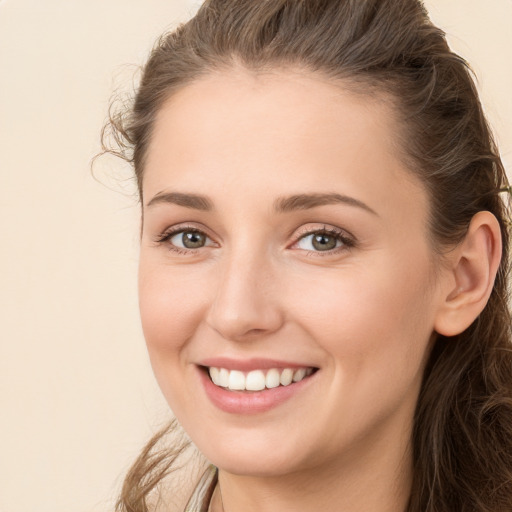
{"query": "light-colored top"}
pixel 202 495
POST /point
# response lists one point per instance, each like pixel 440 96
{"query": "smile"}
pixel 254 386
pixel 257 380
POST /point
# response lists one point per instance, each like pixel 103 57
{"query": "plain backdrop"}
pixel 77 397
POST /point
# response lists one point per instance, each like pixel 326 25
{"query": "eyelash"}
pixel 166 236
pixel 346 240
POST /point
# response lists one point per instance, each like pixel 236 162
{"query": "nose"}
pixel 246 302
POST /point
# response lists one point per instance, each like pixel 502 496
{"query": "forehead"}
pixel 271 109
pixel 288 129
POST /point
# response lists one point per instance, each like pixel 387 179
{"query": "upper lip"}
pixel 247 365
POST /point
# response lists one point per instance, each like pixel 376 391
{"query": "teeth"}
pixel 286 377
pixel 299 374
pixel 236 380
pixel 272 379
pixel 257 380
pixel 214 374
pixel 223 377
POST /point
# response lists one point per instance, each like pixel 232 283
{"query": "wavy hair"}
pixel 462 435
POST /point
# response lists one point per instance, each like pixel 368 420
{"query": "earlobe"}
pixel 473 267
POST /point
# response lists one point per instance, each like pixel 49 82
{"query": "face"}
pixel 284 240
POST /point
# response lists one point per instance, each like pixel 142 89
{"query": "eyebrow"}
pixel 281 204
pixel 307 201
pixel 194 201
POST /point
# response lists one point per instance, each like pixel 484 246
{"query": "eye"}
pixel 184 240
pixel 189 239
pixel 326 240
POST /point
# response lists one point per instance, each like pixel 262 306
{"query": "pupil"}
pixel 324 242
pixel 193 240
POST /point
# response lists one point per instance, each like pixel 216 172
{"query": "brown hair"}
pixel 462 439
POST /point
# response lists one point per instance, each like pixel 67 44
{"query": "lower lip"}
pixel 250 402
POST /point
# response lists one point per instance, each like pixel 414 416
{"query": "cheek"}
pixel 171 304
pixel 369 315
pixel 375 328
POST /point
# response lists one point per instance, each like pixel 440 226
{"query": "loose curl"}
pixel 462 437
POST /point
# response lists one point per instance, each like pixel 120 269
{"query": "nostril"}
pixel 254 332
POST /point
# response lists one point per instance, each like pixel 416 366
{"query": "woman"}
pixel 324 263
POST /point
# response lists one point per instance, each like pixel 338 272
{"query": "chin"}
pixel 255 466
pixel 253 458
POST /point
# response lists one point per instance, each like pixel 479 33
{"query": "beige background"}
pixel 77 398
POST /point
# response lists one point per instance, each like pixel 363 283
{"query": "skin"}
pixel 364 313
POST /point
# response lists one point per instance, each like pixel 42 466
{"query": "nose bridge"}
pixel 245 303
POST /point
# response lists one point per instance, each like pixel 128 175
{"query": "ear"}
pixel 467 286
